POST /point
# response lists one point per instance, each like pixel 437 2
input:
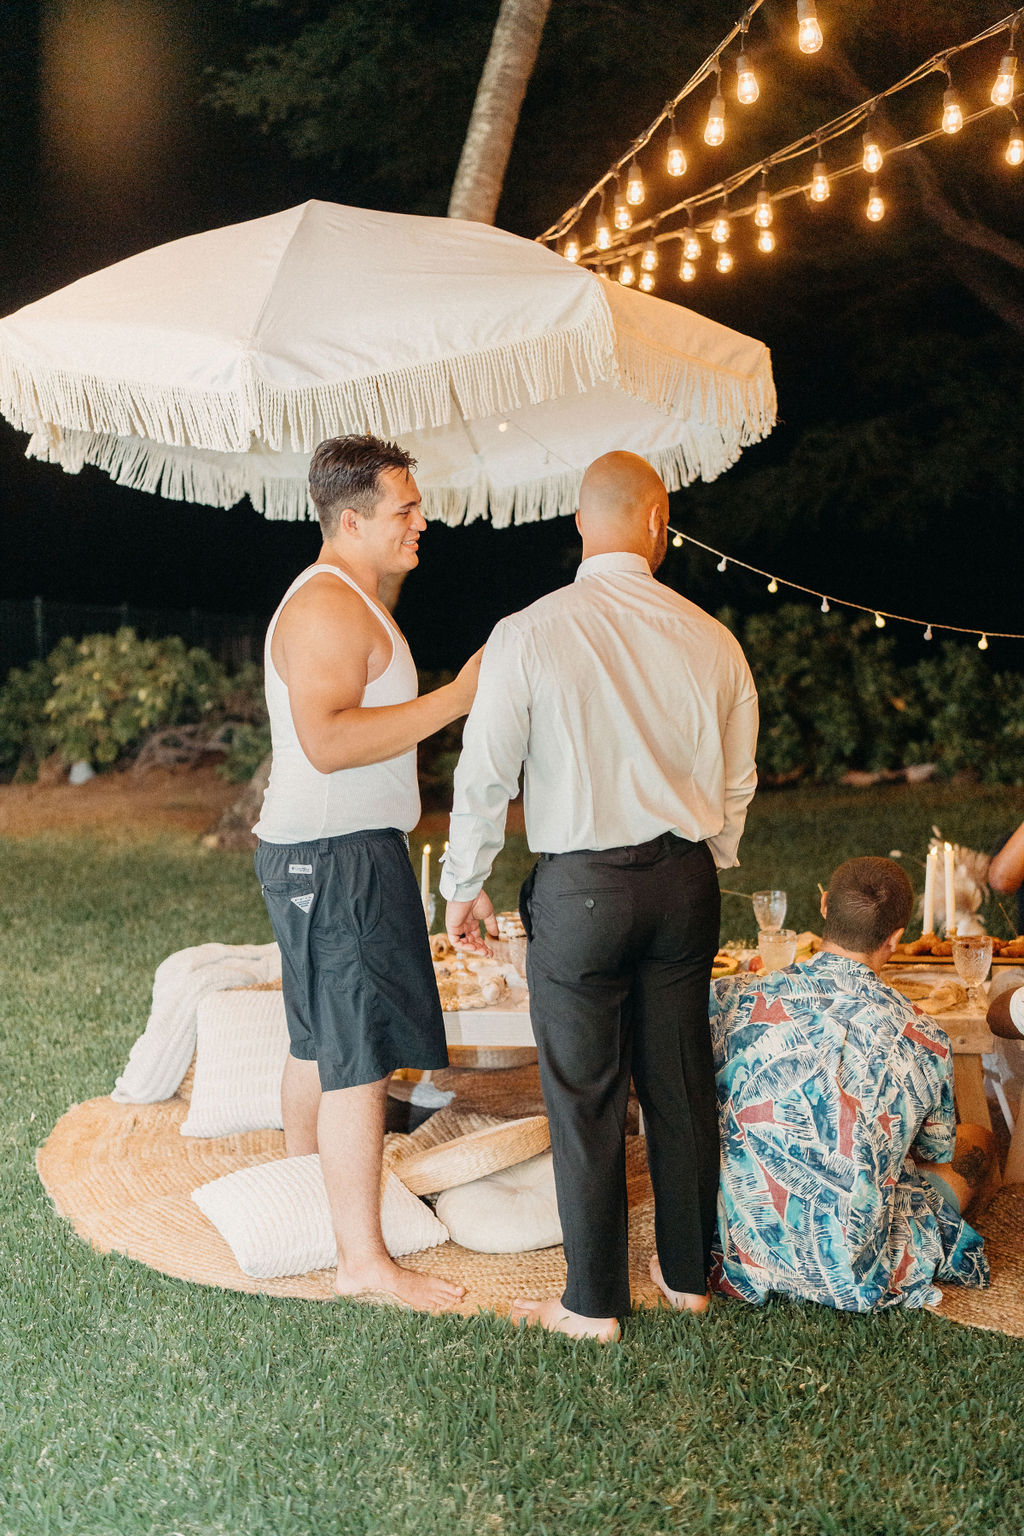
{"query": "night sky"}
pixel 108 147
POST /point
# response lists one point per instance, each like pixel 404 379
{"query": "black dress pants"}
pixel 619 965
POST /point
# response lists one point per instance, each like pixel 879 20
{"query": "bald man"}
pixel 635 716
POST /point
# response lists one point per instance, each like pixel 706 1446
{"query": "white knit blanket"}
pixel 161 1055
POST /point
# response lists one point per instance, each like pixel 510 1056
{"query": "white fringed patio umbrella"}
pixel 208 369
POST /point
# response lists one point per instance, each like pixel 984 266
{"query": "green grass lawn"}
pixel 136 1405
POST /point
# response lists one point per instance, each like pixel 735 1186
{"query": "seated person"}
pixel 836 1114
pixel 1006 871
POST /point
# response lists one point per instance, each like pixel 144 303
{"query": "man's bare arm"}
pixel 1006 870
pixel 326 647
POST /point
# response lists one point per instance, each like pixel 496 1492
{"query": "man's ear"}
pixel 350 521
pixel 823 904
pixel 893 939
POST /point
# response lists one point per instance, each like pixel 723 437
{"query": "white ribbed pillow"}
pixel 241 1049
pixel 160 1056
pixel 513 1211
pixel 276 1220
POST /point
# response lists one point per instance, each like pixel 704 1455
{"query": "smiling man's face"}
pixel 392 533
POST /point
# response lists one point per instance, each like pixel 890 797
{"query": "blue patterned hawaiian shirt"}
pixel 827 1079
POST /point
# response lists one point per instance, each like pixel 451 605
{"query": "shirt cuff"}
pixel 450 889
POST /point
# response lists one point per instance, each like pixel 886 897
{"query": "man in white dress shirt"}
pixel 635 715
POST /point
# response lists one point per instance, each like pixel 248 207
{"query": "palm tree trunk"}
pixel 499 96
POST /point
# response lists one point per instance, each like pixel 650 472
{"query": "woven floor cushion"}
pixel 241 1050
pixel 276 1220
pixel 471 1157
pixel 513 1211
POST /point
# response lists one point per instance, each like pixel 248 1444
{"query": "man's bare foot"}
pixel 680 1301
pixel 554 1317
pixel 423 1293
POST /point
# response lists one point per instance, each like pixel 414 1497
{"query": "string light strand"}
pixel 828 601
pixel 838 126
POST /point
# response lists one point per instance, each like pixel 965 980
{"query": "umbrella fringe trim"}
pixel 700 456
pixel 157 469
pixel 480 384
pixel 680 386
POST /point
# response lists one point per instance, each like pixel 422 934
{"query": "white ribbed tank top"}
pixel 301 804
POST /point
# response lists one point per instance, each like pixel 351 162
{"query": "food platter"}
pixel 934 960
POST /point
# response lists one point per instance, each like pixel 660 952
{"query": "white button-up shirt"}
pixel 635 714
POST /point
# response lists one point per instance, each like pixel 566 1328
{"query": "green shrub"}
pixel 24 739
pixel 834 697
pixel 247 746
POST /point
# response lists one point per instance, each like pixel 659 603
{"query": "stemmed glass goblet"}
pixel 769 910
pixel 972 956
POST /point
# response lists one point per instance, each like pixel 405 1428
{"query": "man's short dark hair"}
pixel 868 899
pixel 345 472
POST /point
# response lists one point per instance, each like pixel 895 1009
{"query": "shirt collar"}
pixel 620 562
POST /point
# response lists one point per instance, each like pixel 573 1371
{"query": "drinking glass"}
pixel 777 948
pixel 769 910
pixel 972 956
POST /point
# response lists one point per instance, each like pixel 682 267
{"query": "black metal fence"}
pixel 30 627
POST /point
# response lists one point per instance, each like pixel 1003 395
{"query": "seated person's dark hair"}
pixel 868 899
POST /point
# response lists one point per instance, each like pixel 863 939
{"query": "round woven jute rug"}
pixel 123 1175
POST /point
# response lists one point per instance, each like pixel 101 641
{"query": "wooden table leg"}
pixel 1013 1173
pixel 969 1092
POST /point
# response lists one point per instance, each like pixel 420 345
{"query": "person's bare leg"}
pixel 300 1104
pixel 973 1175
pixel 350 1131
pixel 556 1319
pixel 680 1301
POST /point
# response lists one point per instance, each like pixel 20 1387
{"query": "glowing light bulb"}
pixel 649 257
pixel 1002 91
pixel 622 216
pixel 747 89
pixel 819 182
pixel 634 184
pixel 825 605
pixel 763 212
pixel 691 245
pixel 602 232
pixel 876 206
pixel 721 228
pixel 687 271
pixel 773 586
pixel 676 156
pixel 952 113
pixel 808 35
pixel 646 283
pixel 872 161
pixel 714 130
pixel 983 643
pixel 1015 147
pixel 627 273
pixel 677 542
pixel 722 564
pixel 879 621
pixel 766 241
pixel 571 248
pixel 928 633
pixel 723 261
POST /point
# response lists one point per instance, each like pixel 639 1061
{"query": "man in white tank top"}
pixel 359 989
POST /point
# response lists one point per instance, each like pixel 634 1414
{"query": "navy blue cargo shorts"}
pixel 359 990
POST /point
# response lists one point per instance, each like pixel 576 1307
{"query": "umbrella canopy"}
pixel 209 368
